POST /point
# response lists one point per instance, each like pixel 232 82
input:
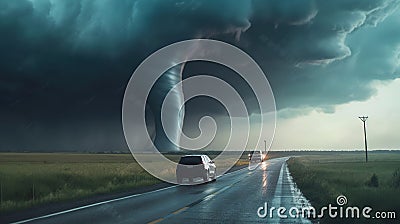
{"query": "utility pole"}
pixel 265 146
pixel 364 119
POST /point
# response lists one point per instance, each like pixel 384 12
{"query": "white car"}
pixel 196 169
pixel 256 156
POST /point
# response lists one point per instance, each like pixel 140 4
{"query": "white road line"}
pixel 277 201
pixel 108 201
pixel 114 200
pixel 91 205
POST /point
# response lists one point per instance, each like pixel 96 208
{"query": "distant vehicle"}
pixel 256 156
pixel 196 168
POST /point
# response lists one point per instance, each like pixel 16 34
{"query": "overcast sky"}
pixel 65 65
pixel 342 129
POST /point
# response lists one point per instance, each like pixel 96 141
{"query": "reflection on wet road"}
pixel 233 198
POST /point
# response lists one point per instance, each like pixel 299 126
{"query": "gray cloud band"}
pixel 140 143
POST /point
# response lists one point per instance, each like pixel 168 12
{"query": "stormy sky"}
pixel 64 65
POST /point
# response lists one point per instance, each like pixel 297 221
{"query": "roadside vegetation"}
pixel 30 179
pixel 375 184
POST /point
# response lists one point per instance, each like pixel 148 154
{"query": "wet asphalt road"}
pixel 233 198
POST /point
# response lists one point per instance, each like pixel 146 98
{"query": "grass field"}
pixel 29 179
pixel 323 178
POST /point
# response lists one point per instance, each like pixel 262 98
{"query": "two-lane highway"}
pixel 233 198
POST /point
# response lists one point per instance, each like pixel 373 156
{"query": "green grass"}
pixel 323 178
pixel 30 179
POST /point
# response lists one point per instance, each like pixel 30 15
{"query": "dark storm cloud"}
pixel 64 64
pixel 331 58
